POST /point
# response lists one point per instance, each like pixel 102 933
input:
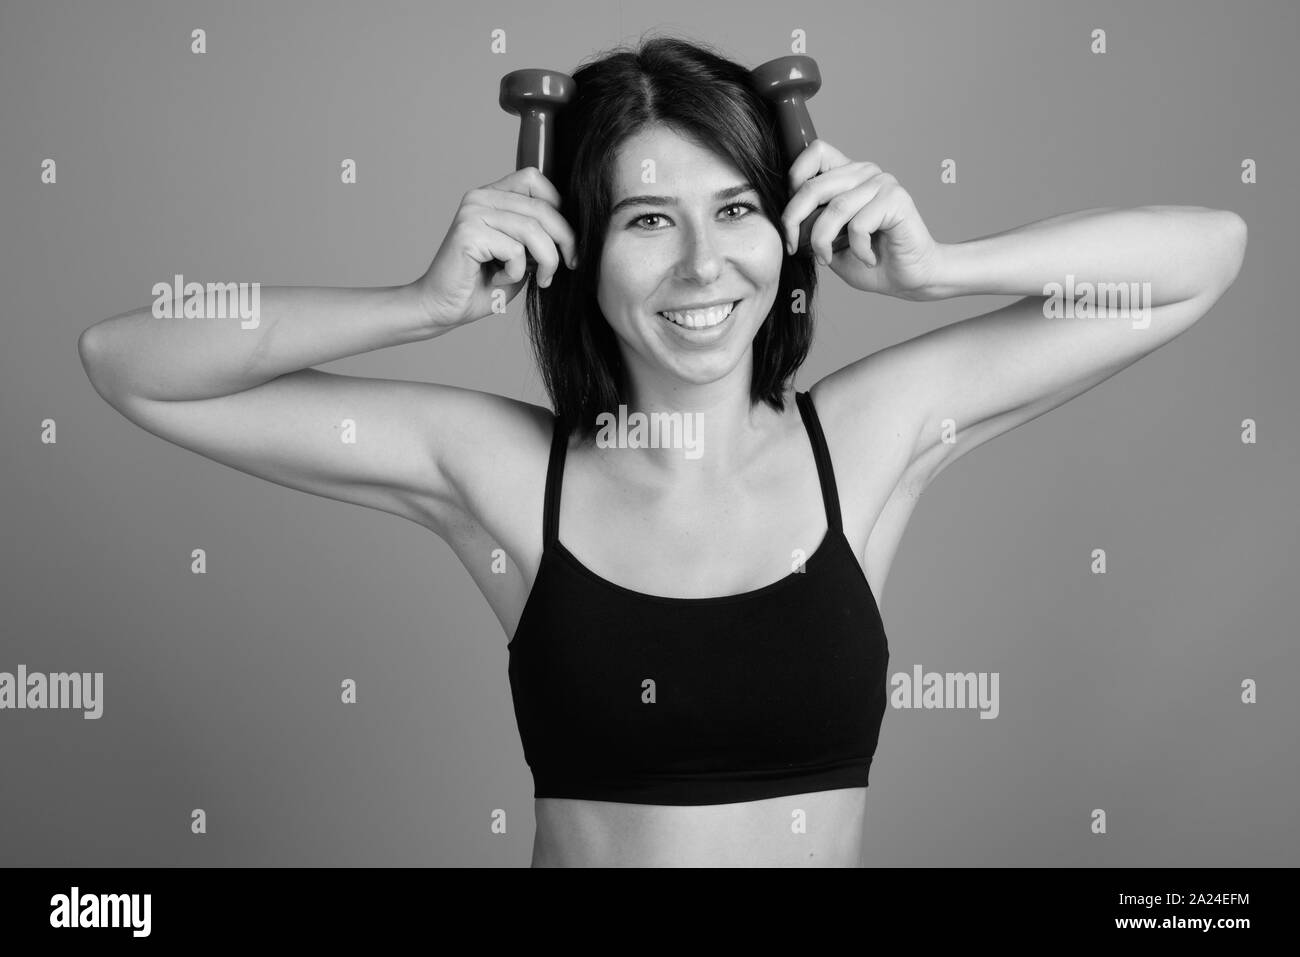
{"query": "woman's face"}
pixel 704 240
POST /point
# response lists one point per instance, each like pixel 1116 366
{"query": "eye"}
pixel 647 216
pixel 750 207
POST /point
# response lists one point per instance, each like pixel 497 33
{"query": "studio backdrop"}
pixel 325 685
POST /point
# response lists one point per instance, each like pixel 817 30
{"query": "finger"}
pixel 863 227
pixel 493 245
pixel 878 214
pixel 527 230
pixel 818 190
pixel 839 211
pixel 529 181
pixel 539 208
pixel 817 157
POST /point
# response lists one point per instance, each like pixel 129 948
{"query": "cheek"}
pixel 768 256
pixel 628 276
pixel 769 245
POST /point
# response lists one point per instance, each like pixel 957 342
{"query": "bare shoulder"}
pixel 889 384
pixel 876 405
pixel 874 417
pixel 493 457
pixel 494 462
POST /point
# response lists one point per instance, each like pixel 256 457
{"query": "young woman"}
pixel 697 657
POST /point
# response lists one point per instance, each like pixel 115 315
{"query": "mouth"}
pixel 700 319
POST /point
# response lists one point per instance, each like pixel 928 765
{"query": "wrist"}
pixel 945 280
pixel 428 321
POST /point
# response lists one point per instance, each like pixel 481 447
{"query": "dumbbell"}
pixel 789 82
pixel 535 96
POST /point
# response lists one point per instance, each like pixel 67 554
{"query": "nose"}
pixel 700 261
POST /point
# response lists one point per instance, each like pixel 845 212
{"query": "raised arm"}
pixel 1102 288
pixel 248 399
pixel 243 393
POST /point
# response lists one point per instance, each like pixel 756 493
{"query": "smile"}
pixel 701 318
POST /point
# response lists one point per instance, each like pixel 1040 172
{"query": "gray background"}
pixel 222 691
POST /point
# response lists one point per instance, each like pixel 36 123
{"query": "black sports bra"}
pixel 646 699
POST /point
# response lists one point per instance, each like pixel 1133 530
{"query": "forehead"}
pixel 672 159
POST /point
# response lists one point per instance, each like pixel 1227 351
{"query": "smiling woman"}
pixel 673 269
pixel 668 164
pixel 697 656
pixel 690 711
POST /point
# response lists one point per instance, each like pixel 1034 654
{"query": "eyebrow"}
pixel 721 194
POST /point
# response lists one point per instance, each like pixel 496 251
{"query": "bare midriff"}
pixel 818 829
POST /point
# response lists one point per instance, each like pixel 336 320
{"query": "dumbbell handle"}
pixel 788 82
pixel 799 133
pixel 535 96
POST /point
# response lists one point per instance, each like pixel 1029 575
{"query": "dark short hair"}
pixel 689 87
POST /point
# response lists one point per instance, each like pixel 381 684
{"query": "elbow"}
pixel 86 343
pixel 91 351
pixel 1235 235
pixel 88 350
pixel 1225 251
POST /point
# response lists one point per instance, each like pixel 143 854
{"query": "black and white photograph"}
pixel 673 435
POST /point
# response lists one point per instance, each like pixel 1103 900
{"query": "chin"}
pixel 702 369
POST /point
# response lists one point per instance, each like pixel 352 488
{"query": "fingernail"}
pixel 820 259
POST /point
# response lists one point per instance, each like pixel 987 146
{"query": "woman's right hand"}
pixel 496 224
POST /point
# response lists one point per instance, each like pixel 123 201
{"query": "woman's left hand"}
pixel 890 251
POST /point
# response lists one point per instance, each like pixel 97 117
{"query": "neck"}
pixel 691 433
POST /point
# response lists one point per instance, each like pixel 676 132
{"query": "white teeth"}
pixel 700 318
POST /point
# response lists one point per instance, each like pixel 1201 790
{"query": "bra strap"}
pixel 822 455
pixel 554 480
